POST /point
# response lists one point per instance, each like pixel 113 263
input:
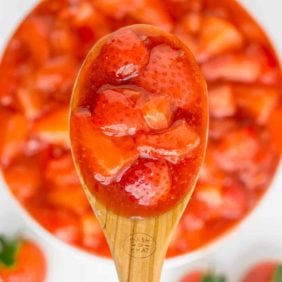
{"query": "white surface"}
pixel 260 236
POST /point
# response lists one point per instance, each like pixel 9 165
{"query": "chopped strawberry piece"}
pixel 211 195
pixel 123 56
pixel 53 127
pixel 31 102
pixel 143 11
pixel 157 111
pixel 33 36
pixel 257 101
pixel 107 159
pixel 238 151
pixel 24 179
pixel 57 76
pixel 91 231
pixel 148 181
pixel 63 224
pixel 152 12
pixel 234 202
pixel 70 197
pixel 168 74
pixel 61 172
pixel 235 67
pixel 216 37
pixel 221 101
pixel 115 114
pixel 173 144
pixel 14 134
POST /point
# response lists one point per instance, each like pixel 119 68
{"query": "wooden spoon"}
pixel 138 238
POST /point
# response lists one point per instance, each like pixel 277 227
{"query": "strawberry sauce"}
pixel 139 121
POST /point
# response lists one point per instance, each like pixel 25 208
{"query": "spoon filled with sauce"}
pixel 138 125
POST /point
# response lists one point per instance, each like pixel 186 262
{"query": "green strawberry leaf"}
pixel 210 277
pixel 8 251
pixel 278 274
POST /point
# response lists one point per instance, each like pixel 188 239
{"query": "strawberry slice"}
pixel 69 197
pixel 265 99
pixel 173 144
pixel 222 101
pixel 157 111
pixel 123 56
pixel 24 178
pixel 30 101
pixel 216 37
pixel 61 172
pixel 14 134
pixel 106 157
pixel 143 11
pixel 232 67
pixel 53 127
pixel 115 114
pixel 148 181
pixel 167 74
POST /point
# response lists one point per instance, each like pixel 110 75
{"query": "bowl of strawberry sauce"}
pixel 37 72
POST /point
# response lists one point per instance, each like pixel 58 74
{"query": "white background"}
pixel 260 236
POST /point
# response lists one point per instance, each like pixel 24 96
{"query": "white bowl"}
pixel 265 14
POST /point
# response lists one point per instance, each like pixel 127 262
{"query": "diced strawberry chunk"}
pixel 173 144
pixel 24 179
pixel 148 181
pixel 234 202
pixel 211 195
pixel 53 127
pixel 216 37
pixel 33 35
pixel 61 171
pixel 143 11
pixel 108 159
pixel 30 101
pixel 167 74
pixel 63 224
pixel 57 76
pixel 152 12
pixel 123 56
pixel 157 111
pixel 235 67
pixel 91 231
pixel 70 197
pixel 237 152
pixel 14 134
pixel 116 115
pixel 257 101
pixel 221 101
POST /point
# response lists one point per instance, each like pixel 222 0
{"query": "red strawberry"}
pixel 201 276
pixel 157 111
pixel 168 74
pixel 173 144
pixel 21 261
pixel 216 37
pixel 268 271
pixel 222 101
pixel 123 56
pixel 148 181
pixel 107 158
pixel 115 114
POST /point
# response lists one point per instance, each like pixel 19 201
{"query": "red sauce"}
pixel 37 73
pixel 139 121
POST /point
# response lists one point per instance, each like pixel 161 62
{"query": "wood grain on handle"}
pixel 138 246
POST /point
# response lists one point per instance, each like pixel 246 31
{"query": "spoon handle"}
pixel 138 246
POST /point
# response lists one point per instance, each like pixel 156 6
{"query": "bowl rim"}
pixel 170 263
